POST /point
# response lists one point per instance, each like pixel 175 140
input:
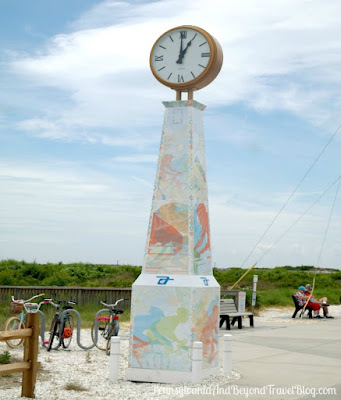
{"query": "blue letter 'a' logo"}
pixel 205 280
pixel 163 280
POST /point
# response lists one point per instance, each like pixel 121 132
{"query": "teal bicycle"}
pixel 20 308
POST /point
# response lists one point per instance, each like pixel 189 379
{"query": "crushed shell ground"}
pixel 78 374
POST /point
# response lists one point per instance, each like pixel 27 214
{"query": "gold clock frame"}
pixel 206 77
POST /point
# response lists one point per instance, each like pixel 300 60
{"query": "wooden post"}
pixel 31 355
pixel 190 94
pixel 178 95
pixel 79 297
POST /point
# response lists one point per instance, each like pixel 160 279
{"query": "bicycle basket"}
pixel 67 333
pixel 16 308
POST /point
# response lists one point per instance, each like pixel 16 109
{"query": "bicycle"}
pixel 20 307
pixel 65 327
pixel 107 326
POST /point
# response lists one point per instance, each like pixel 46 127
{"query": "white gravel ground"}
pixel 88 370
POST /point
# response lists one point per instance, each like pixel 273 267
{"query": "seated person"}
pixel 302 299
pixel 323 301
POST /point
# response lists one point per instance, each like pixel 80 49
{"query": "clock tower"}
pixel 175 300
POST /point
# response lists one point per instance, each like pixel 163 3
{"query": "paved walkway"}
pixel 286 359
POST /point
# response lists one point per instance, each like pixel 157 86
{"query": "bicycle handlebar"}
pixel 112 305
pixel 57 303
pixel 32 307
pixel 26 301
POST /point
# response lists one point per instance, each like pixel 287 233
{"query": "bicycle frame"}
pixel 113 318
pixel 18 322
pixel 58 323
pixel 109 327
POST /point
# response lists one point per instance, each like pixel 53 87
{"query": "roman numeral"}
pixel 169 76
pixel 181 78
pixel 205 54
pixel 183 34
pixel 158 58
pixel 202 44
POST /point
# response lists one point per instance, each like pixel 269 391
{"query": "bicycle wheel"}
pixel 102 333
pixel 114 332
pixel 66 341
pixel 54 334
pixel 12 324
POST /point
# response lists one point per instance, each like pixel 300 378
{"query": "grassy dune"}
pixel 275 285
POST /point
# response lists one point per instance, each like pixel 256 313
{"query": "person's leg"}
pixel 326 312
pixel 316 308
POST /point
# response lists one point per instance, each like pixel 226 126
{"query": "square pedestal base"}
pixel 162 376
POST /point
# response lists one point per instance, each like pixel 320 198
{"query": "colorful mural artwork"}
pixel 175 301
pixel 160 339
pixel 166 322
pixel 179 212
pixel 206 328
pixel 169 225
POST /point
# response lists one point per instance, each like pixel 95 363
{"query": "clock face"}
pixel 181 55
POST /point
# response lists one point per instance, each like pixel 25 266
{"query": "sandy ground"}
pixel 75 374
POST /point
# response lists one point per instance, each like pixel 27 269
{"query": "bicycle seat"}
pixel 117 311
pixel 31 305
pixel 65 301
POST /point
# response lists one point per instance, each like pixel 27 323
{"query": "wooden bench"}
pixel 298 307
pixel 228 310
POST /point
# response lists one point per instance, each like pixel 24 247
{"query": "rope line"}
pixel 298 219
pixel 290 197
pixel 324 239
pixel 330 216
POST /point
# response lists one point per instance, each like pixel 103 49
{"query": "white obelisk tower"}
pixel 175 301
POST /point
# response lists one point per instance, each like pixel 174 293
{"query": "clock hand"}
pixel 183 52
pixel 180 58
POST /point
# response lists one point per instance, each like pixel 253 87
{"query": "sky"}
pixel 81 117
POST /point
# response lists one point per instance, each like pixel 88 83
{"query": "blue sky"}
pixel 81 117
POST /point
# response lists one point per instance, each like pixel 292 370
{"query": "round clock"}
pixel 186 58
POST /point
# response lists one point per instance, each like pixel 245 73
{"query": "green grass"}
pixel 21 273
pixel 275 286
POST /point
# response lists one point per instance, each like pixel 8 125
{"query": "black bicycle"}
pixel 61 330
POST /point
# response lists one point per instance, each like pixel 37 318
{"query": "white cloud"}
pixel 237 228
pixel 53 211
pixel 275 56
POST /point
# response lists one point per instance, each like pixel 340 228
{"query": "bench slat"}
pixel 237 314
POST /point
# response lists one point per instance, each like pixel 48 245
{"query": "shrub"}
pixel 5 357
